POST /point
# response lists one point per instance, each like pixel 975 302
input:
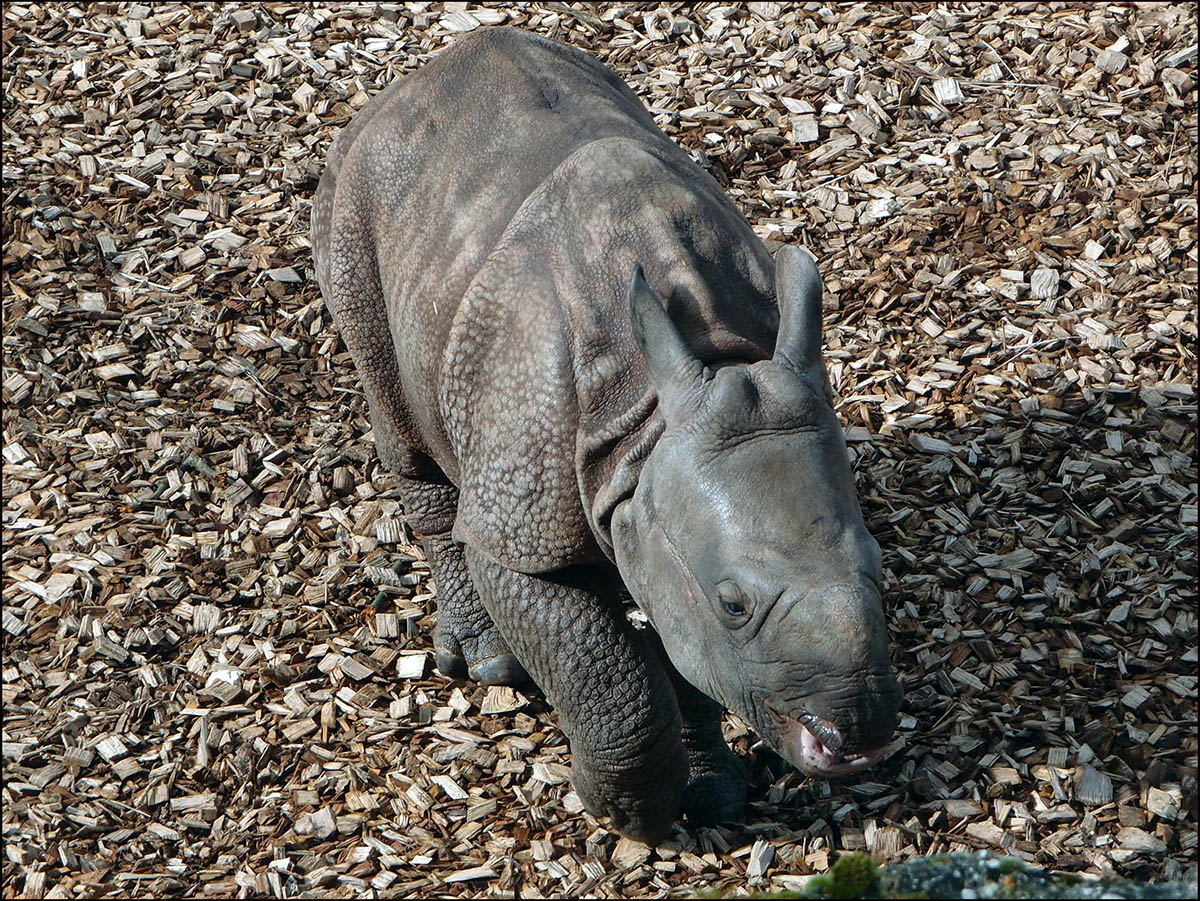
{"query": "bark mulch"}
pixel 217 677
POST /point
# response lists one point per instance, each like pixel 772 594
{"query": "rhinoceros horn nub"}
pixel 798 290
pixel 674 370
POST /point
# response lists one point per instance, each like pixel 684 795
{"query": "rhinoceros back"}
pixel 435 167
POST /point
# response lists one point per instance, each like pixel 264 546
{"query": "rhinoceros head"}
pixel 744 543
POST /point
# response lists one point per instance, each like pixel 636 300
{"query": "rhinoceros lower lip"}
pixel 814 757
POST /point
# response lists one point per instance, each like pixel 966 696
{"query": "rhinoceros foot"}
pixel 499 669
pixel 450 664
pixel 467 644
pixel 480 655
pixel 716 788
pixel 641 804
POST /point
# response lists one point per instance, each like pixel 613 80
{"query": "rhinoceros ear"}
pixel 674 370
pixel 798 290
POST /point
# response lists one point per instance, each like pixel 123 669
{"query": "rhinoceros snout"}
pixel 832 735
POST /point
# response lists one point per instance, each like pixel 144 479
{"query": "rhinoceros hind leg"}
pixel 348 273
pixel 466 642
pixel 613 698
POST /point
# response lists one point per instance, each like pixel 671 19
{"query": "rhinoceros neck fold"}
pixel 609 462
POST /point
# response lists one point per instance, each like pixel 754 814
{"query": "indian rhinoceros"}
pixel 592 382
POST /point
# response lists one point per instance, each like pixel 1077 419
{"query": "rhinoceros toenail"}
pixel 449 664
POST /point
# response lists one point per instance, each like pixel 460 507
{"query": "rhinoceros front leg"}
pixel 466 642
pixel 613 698
pixel 716 788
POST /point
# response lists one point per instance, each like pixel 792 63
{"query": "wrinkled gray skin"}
pixel 574 359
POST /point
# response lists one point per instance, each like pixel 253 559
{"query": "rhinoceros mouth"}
pixel 814 745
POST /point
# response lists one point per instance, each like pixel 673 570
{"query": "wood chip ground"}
pixel 217 678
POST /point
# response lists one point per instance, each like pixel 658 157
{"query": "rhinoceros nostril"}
pixel 824 731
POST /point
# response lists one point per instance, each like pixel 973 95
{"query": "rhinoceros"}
pixel 592 382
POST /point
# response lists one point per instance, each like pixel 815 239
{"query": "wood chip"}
pixel 1093 787
pixel 629 853
pixel 471 874
pixel 762 854
pixel 948 92
pixel 320 823
pixel 501 699
pixel 1140 840
pixel 411 666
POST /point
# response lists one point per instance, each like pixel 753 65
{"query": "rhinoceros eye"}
pixel 733 601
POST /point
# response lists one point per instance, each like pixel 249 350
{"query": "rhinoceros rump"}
pixel 591 379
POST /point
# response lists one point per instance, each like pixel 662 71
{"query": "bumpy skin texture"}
pixel 475 248
pixel 613 696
